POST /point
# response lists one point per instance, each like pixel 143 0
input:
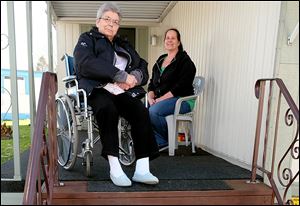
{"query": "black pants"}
pixel 107 108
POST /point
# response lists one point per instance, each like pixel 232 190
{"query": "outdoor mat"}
pixel 202 167
pixel 164 185
pixel 185 171
pixel 183 165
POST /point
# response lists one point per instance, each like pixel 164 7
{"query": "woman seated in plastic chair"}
pixel 103 60
pixel 172 78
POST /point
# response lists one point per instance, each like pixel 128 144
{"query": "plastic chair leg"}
pixel 186 134
pixel 171 134
pixel 192 131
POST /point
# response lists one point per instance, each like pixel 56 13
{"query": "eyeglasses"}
pixel 109 20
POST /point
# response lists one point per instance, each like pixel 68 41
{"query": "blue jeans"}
pixel 158 112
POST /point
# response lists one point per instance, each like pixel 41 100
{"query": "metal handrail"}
pixel 291 114
pixel 43 153
pixel 5 44
pixel 3 118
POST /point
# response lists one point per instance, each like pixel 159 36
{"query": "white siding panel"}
pixel 232 44
pixel 67 37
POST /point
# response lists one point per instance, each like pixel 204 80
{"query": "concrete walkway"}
pixel 11 198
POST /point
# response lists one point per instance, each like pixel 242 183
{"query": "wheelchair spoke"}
pixel 126 151
pixel 67 136
pixel 123 151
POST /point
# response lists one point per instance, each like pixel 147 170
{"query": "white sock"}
pixel 142 166
pixel 115 167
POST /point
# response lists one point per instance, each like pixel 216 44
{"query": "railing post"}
pixel 53 170
pixel 40 148
pixel 258 128
pixel 33 170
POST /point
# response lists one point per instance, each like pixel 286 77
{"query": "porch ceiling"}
pixel 144 11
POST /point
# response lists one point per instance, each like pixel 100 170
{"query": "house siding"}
pixel 286 68
pixel 232 44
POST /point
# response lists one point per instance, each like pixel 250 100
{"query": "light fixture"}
pixel 153 40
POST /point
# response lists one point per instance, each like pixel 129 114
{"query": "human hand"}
pixel 160 99
pixel 151 101
pixel 151 97
pixel 164 97
pixel 123 86
pixel 131 80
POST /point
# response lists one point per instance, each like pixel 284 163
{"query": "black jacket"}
pixel 94 61
pixel 177 77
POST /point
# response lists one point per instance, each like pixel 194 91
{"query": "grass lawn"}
pixel 7 145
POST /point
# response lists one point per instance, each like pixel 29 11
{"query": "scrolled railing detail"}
pixel 289 118
pixel 295 150
pixel 285 175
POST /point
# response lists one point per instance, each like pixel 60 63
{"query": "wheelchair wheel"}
pixel 126 150
pixel 88 162
pixel 67 134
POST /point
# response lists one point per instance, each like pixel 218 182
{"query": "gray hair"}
pixel 108 6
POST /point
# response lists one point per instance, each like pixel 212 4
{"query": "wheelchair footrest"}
pixel 84 163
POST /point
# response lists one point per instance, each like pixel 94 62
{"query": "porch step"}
pixel 76 192
pixel 12 198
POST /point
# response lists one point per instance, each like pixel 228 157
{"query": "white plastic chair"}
pixel 173 120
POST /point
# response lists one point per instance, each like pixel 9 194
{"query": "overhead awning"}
pixel 132 11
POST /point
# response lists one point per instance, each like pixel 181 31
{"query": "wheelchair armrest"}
pixel 182 99
pixel 69 78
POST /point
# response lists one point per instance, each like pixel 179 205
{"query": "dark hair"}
pixel 180 47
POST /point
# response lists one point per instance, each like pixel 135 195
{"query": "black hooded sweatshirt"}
pixel 177 77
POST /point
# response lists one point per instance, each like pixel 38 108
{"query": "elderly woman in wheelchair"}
pixel 108 82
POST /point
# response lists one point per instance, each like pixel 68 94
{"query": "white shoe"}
pixel 147 178
pixel 122 181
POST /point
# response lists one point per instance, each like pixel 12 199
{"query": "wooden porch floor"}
pixel 243 193
pixel 79 190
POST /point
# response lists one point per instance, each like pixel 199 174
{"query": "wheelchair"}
pixel 74 112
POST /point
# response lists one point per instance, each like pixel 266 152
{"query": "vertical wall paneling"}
pixel 232 44
pixel 67 37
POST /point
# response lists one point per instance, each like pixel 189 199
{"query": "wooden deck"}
pixel 76 193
